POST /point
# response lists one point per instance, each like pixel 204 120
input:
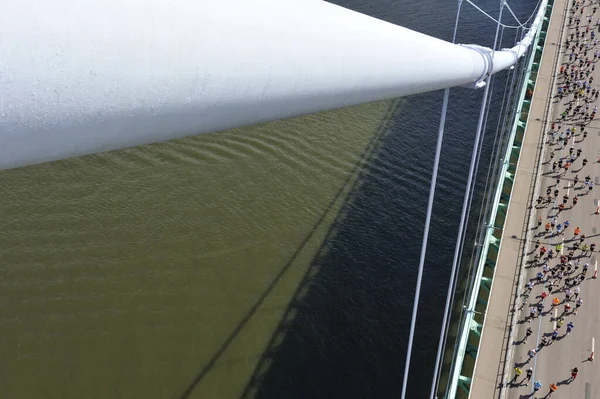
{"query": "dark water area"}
pixel 349 334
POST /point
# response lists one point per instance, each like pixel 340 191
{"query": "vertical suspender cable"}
pixel 434 174
pixel 493 171
pixel 441 130
pixel 466 198
pixel 452 283
pixel 424 243
pixel 496 167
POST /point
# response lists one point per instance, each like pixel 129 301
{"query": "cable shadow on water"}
pixel 344 332
pixel 347 187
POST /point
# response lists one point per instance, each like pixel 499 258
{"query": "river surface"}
pixel 275 261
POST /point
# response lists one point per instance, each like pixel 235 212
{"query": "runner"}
pixel 574 372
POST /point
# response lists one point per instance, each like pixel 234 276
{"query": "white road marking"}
pixel 562 245
pixel 555 315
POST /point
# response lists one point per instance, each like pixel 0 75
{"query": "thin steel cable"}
pixel 477 162
pixel 474 153
pixel 495 164
pixel 495 168
pixel 450 296
pixel 514 16
pixel 522 25
pixel 537 7
pixel 508 121
pixel 441 130
pixel 492 18
pixel 436 163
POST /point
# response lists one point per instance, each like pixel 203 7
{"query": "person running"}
pixel 529 287
pixel 537 385
pixel 554 335
pixel 576 291
pixel 529 374
pixel 560 322
pixel 532 313
pixel 559 247
pixel 578 304
pixel 527 334
pixel 555 301
pixel 574 372
pixel 518 373
pixel 553 388
pixel 570 327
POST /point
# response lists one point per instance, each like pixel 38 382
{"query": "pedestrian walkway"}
pixel 550 339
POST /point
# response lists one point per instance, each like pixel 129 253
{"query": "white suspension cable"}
pixel 442 124
pixel 424 242
pixel 532 14
pixel 492 168
pixel 496 169
pixel 452 283
pixel 494 163
pixel 492 18
pixel 514 16
pixel 474 156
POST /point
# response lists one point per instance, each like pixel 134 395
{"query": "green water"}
pixel 127 274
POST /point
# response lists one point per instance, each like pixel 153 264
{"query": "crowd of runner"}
pixel 562 252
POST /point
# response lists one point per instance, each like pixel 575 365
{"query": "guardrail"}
pixel 469 331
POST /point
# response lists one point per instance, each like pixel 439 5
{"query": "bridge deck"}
pixel 501 346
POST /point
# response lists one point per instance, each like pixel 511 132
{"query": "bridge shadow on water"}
pixel 343 333
pixel 297 304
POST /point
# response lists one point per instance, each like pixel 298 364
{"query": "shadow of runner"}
pixel 363 160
